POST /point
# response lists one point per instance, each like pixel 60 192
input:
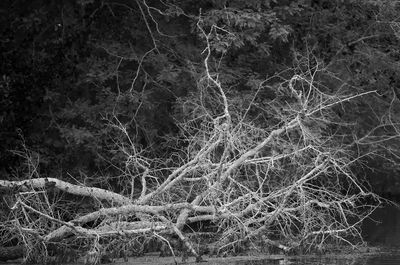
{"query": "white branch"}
pixel 42 183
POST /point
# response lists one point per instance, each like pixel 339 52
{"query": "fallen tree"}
pixel 280 178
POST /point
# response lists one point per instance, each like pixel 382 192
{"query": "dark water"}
pixel 382 231
pixel 389 259
pixel 385 231
pixel 386 259
pixel 382 259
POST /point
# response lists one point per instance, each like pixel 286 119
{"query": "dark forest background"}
pixel 69 69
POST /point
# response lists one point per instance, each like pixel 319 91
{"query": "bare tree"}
pixel 280 177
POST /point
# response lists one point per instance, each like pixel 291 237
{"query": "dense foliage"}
pixel 70 69
pixel 88 87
